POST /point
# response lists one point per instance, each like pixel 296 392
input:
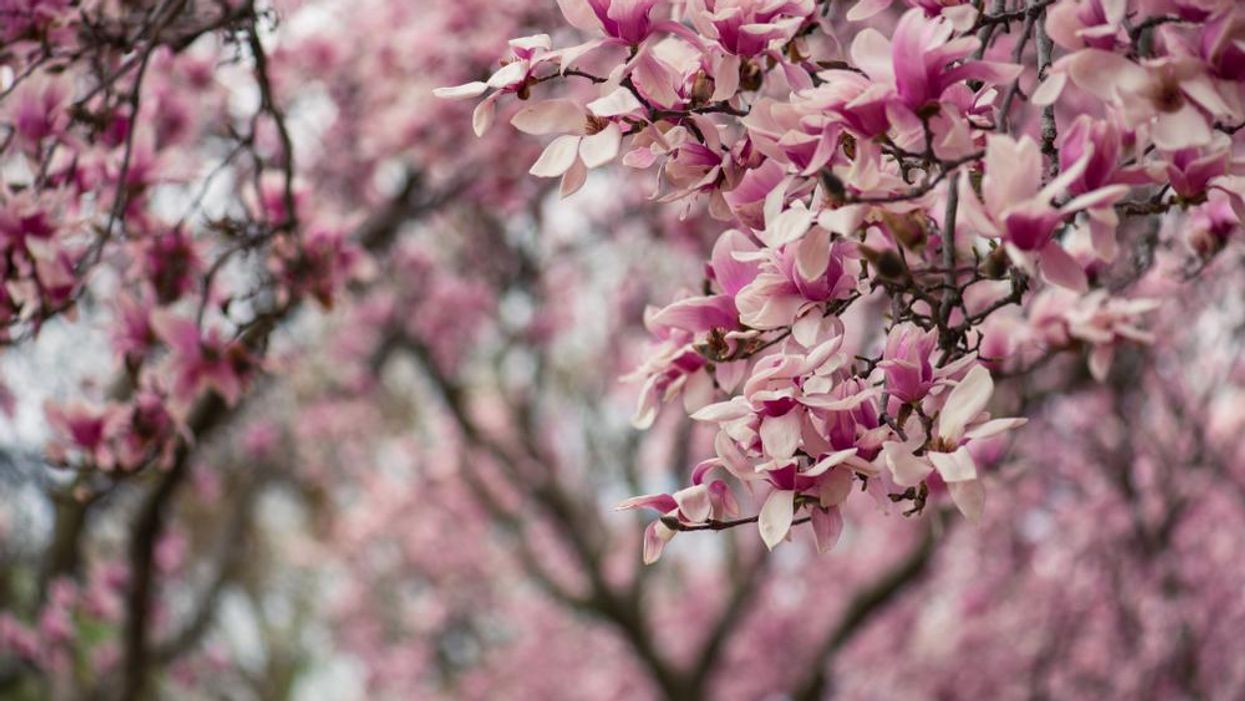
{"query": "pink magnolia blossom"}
pixel 962 421
pixel 922 60
pixel 203 362
pixel 594 137
pixel 1016 207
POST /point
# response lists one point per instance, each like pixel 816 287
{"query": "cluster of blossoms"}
pixel 103 200
pixel 900 174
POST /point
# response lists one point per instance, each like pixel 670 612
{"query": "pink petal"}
pixel 726 78
pixel 580 15
pixel 573 179
pixel 663 503
pixel 813 254
pixel 969 497
pixel 731 273
pixel 835 487
pixel 699 314
pixel 827 527
pixel 1060 268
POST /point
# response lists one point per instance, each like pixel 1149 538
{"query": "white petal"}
pixel 694 503
pixel 698 392
pixel 907 469
pixel 535 41
pixel 621 101
pixel 655 538
pixel 994 427
pixel 776 516
pixel 459 92
pixel 829 461
pixel 965 402
pixel 602 147
pixel 780 435
pixel 482 116
pixel 557 158
pixel 788 226
pixel 508 75
pixel 735 408
pixel 955 467
pixel 1050 89
pixel 550 117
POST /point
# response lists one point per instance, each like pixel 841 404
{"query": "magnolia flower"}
pixel 731 274
pixel 1211 225
pixel 133 336
pixel 1016 207
pixel 37 110
pixel 84 427
pixel 1101 143
pixel 786 397
pixel 800 269
pixel 528 54
pixel 1076 24
pixel 673 367
pixel 1191 170
pixel 961 421
pixel 1173 97
pixel 628 22
pixel 143 432
pixel 199 362
pixel 593 140
pixel 1096 319
pixel 921 60
pixel 907 363
pixel 747 27
pixel 692 506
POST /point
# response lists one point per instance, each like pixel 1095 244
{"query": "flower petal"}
pixel 776 516
pixel 557 158
pixel 602 147
pixel 969 497
pixel 550 117
pixel 964 403
pixel 460 92
pixel 827 527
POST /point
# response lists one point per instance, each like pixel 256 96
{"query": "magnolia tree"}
pixel 942 166
pixel 317 375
